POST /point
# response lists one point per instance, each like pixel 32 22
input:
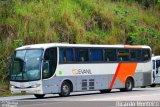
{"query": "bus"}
pixel 61 68
pixel 155 70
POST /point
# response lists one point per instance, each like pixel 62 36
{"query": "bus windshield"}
pixel 157 64
pixel 26 65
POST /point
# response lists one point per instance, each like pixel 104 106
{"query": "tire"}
pixel 39 95
pixel 105 91
pixel 153 85
pixel 143 86
pixel 65 89
pixel 128 85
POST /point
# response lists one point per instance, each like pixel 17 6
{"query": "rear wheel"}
pixel 65 89
pixel 128 85
pixel 39 95
pixel 143 86
pixel 153 85
pixel 105 91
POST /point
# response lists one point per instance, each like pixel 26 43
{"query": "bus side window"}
pixel 69 55
pixel 61 56
pixel 110 55
pixel 135 55
pixel 123 55
pixel 66 55
pixel 96 55
pixel 146 55
pixel 81 55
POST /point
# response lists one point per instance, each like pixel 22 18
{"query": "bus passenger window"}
pixel 123 55
pixel 96 55
pixel 110 55
pixel 81 55
pixel 66 55
pixel 69 55
pixel 146 55
pixel 135 55
pixel 61 56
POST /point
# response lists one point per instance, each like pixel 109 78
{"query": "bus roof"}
pixel 48 45
pixel 156 58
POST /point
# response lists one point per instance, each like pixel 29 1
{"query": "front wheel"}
pixel 65 89
pixel 39 95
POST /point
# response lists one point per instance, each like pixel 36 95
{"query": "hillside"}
pixel 76 21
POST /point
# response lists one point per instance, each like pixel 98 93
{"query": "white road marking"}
pixel 33 105
pixel 126 97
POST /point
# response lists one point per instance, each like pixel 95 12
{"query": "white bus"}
pixel 155 71
pixel 63 68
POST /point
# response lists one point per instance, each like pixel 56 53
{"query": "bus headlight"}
pixel 12 86
pixel 36 85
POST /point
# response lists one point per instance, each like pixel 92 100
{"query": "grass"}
pixel 4 91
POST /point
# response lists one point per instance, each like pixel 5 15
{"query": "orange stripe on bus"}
pixel 114 77
pixel 129 46
pixel 123 71
pixel 126 70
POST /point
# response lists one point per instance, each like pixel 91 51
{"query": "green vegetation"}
pixel 4 89
pixel 24 22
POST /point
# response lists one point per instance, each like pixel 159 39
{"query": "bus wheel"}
pixel 143 86
pixel 65 89
pixel 39 95
pixel 128 85
pixel 153 85
pixel 105 91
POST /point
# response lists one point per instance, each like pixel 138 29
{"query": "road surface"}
pixel 138 97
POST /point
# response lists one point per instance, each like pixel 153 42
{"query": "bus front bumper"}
pixel 26 90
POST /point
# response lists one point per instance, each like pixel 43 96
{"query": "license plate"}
pixel 23 92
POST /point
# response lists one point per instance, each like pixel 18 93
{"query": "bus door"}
pixel 48 70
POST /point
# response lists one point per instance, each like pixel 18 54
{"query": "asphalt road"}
pixel 138 97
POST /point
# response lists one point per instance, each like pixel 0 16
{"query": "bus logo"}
pixel 75 71
pixel 81 71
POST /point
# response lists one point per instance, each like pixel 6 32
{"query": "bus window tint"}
pixel 123 55
pixel 96 55
pixel 81 55
pixel 66 55
pixel 145 55
pixel 110 55
pixel 135 55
